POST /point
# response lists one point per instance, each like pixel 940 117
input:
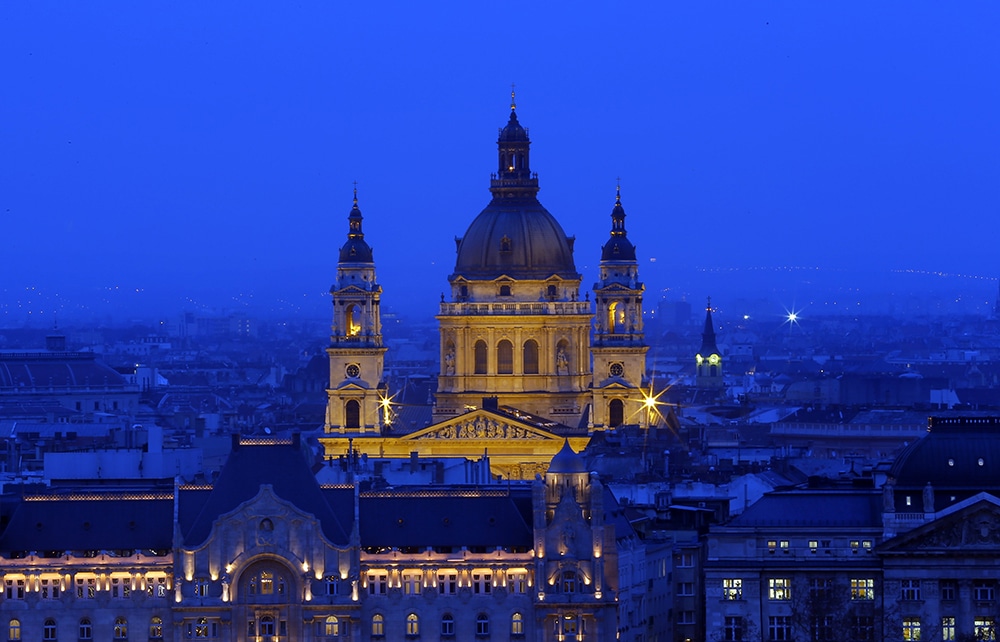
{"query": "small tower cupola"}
pixel 618 247
pixel 513 178
pixel 708 360
pixel 355 250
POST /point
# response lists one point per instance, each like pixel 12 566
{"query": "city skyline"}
pixel 206 155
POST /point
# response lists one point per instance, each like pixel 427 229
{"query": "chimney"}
pixel 491 403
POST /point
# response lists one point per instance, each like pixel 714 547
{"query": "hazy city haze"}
pixel 202 155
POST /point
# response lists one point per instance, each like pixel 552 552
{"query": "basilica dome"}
pixel 515 235
pixel 517 238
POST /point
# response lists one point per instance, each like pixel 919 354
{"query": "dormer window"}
pixel 504 290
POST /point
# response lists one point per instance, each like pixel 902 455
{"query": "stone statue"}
pixel 449 362
pixel 562 362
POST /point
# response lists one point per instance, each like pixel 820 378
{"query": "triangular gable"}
pixel 616 287
pixel 967 527
pixel 482 425
pixel 352 288
pixel 616 383
pixel 354 384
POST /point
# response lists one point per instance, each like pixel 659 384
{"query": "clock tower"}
pixel 619 346
pixel 356 350
pixel 708 360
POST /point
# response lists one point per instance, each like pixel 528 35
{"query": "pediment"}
pixel 614 287
pixel 972 528
pixel 352 289
pixel 615 383
pixel 354 384
pixel 483 425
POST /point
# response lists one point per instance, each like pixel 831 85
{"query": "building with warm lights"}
pixel 268 554
pixel 518 371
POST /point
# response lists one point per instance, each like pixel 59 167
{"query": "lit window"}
pixel 378 625
pixel 156 587
pixel 813 545
pixel 156 628
pixel 779 589
pixel 862 588
pixel 412 624
pixel 331 626
pixel 14 631
pixel 121 628
pixel 200 587
pixel 910 590
pixel 772 545
pixel 984 628
pixel 86 630
pixel 866 544
pixel 411 582
pixel 911 629
pixel 49 630
pixel 948 628
pixel 732 589
pixel 517 624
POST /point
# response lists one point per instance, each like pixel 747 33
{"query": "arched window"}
pixel 612 316
pixel 447 624
pixel 482 624
pixel 569 582
pixel 121 628
pixel 49 630
pixel 412 624
pixel 156 628
pixel 86 629
pixel 352 320
pixel 505 357
pixel 264 582
pixel 552 291
pixel 616 413
pixel 517 624
pixel 267 625
pixel 332 626
pixel 14 631
pixel 352 413
pixel 530 357
pixel 378 625
pixel 480 350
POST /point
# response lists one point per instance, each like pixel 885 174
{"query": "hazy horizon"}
pixel 202 156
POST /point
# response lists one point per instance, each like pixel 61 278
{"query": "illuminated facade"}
pixel 356 351
pixel 517 369
pixel 267 554
pixel 619 349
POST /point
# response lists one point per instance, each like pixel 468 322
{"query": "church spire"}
pixel 708 345
pixel 355 250
pixel 618 247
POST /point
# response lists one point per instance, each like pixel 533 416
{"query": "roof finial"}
pixel 618 195
pixel 355 193
pixel 708 306
pixel 513 103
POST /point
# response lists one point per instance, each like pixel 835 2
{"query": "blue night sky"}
pixel 162 155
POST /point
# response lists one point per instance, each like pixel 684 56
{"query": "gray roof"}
pixel 814 508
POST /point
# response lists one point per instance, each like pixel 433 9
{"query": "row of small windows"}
pixel 779 589
pixel 505 357
pixel 447 625
pixel 85 630
pixel 447 582
pixel 815 545
pixel 86 588
pixel 983 628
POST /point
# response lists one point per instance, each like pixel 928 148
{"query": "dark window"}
pixel 616 413
pixel 505 357
pixel 530 357
pixel 480 357
pixel 352 412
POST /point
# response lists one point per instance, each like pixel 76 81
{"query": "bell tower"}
pixel 356 351
pixel 708 361
pixel 619 346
